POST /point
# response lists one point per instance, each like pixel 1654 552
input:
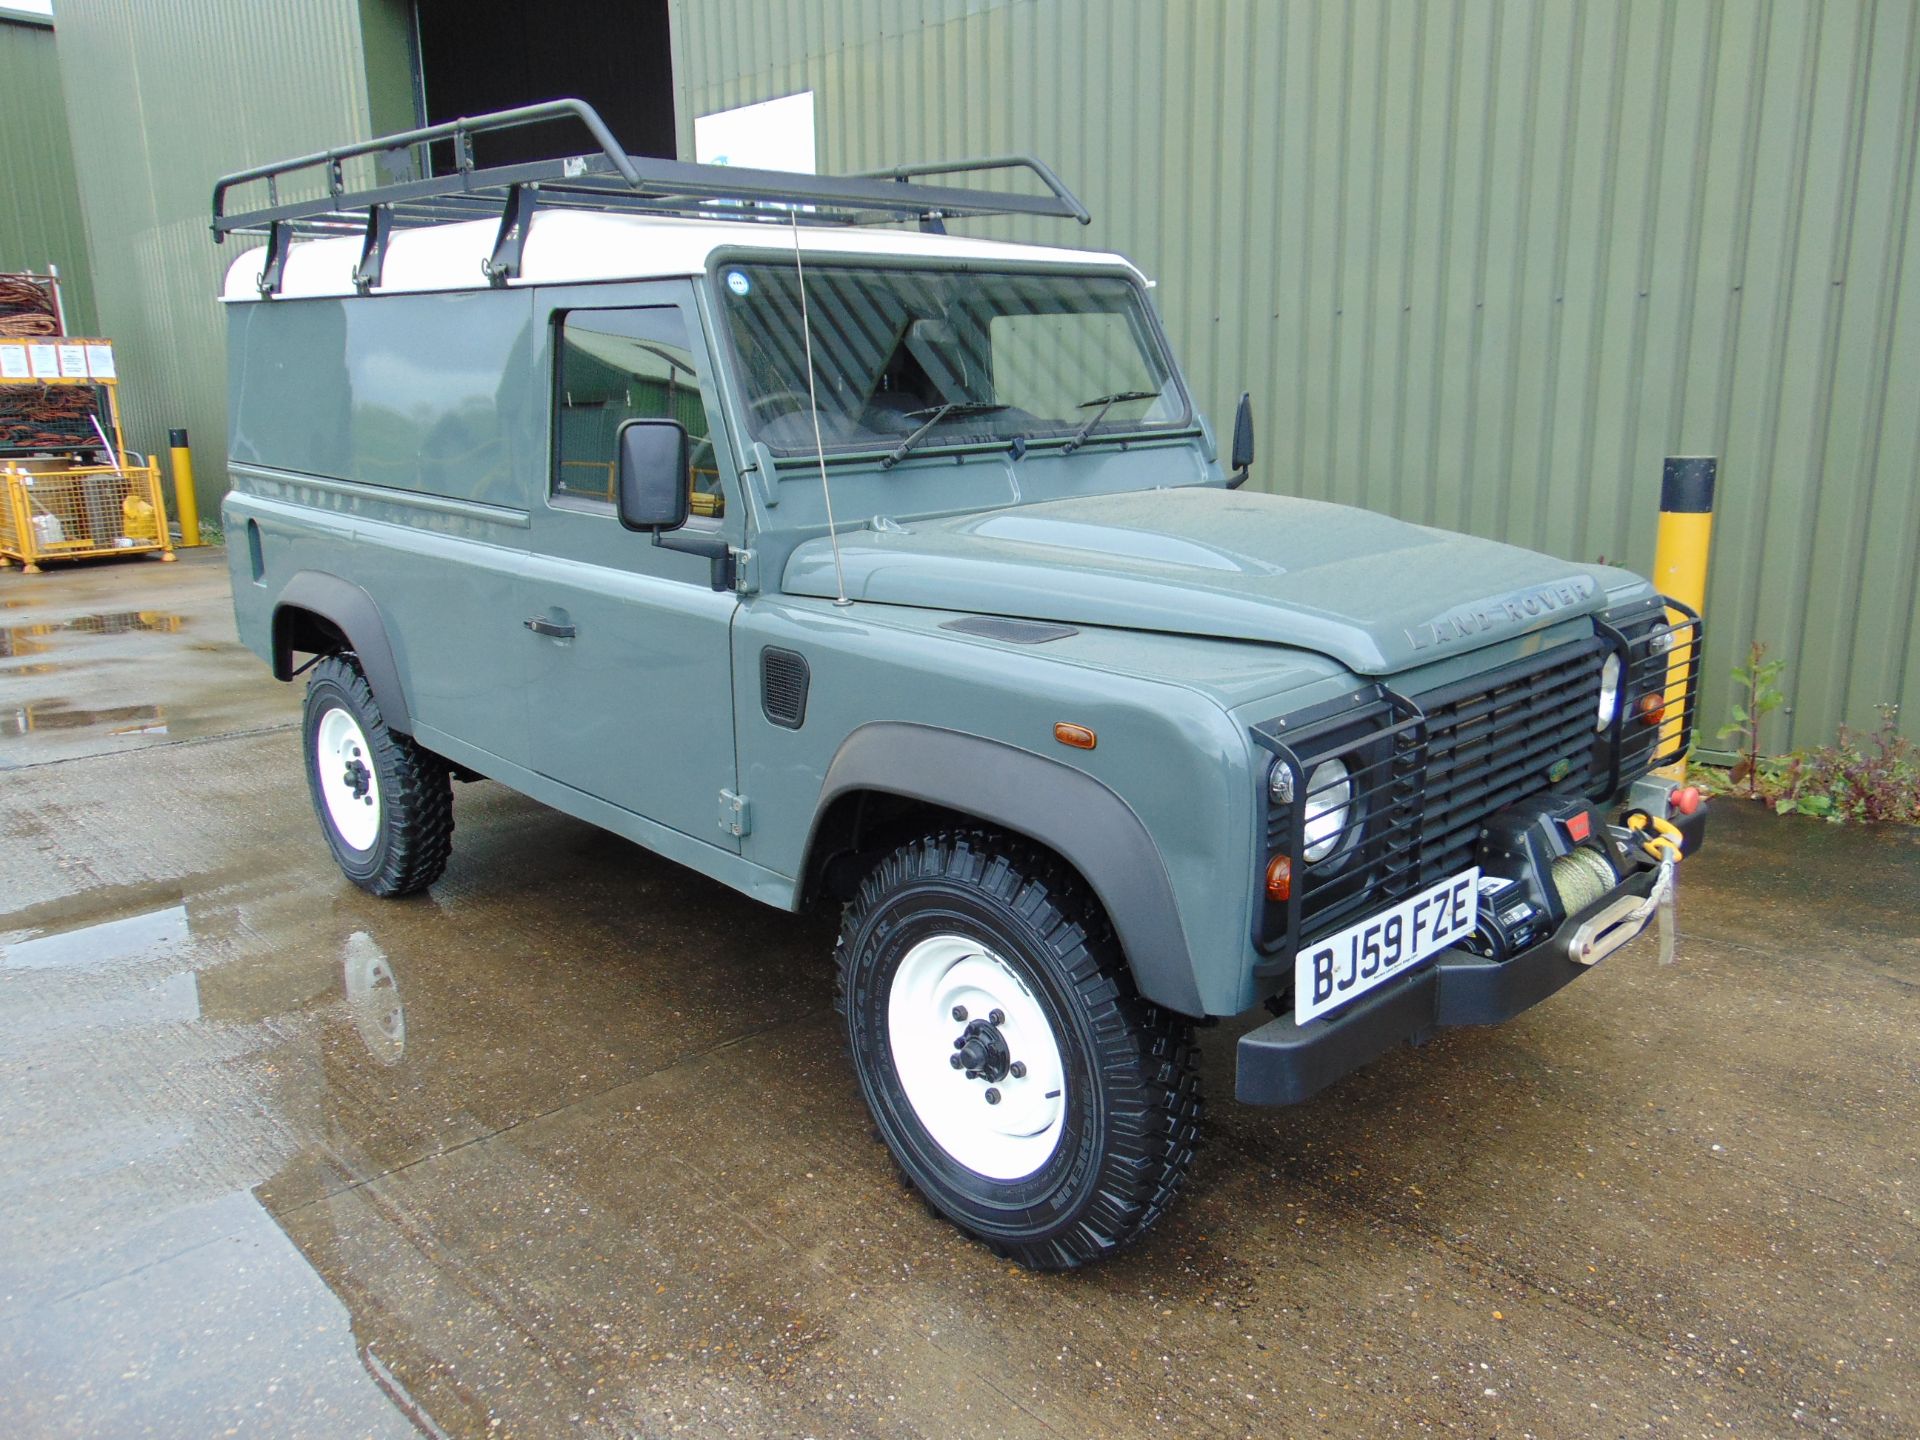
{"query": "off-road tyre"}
pixel 1132 1091
pixel 405 842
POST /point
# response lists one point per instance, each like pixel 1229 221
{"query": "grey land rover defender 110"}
pixel 917 548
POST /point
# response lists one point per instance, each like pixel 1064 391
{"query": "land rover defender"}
pixel 919 551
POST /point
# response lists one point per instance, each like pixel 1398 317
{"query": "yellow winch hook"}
pixel 1664 843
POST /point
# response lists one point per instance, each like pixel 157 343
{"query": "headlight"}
pixel 1329 806
pixel 1609 692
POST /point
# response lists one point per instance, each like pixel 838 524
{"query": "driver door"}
pixel 630 689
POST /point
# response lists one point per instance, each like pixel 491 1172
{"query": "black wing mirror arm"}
pixel 702 542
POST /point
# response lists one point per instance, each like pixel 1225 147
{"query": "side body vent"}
pixel 783 687
pixel 1014 632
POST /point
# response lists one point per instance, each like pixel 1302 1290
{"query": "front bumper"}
pixel 1282 1063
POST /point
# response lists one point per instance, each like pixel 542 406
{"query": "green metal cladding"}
pixel 40 222
pixel 1481 265
pixel 162 97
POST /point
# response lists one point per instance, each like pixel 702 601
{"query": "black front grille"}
pixel 1426 772
pixel 1520 732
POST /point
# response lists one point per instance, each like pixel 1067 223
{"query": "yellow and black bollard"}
pixel 1680 559
pixel 185 503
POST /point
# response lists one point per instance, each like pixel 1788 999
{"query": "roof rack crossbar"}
pixel 1033 163
pixel 460 131
pixel 613 180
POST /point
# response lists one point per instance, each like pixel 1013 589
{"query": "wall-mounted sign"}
pixel 771 135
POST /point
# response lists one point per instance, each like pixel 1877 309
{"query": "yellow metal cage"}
pixel 53 508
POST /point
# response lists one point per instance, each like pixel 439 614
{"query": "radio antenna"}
pixel 813 403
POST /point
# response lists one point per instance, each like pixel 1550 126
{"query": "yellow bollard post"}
pixel 1680 558
pixel 185 503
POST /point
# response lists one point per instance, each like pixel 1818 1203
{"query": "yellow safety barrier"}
pixel 1680 562
pixel 185 503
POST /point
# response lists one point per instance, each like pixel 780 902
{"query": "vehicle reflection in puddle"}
pixel 373 998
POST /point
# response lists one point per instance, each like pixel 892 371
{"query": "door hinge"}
pixel 735 818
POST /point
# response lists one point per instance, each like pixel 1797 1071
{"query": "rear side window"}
pixel 619 365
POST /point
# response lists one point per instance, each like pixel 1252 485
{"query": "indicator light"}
pixel 1078 736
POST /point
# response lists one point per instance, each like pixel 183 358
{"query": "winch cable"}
pixel 813 403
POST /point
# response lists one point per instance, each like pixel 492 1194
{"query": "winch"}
pixel 1541 862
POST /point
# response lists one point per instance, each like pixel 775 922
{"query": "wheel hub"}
pixel 359 778
pixel 981 1051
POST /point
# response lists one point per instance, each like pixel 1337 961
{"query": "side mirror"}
pixel 1242 442
pixel 650 474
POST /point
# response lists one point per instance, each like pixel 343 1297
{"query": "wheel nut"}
pixel 1018 1069
pixel 956 1061
pixel 998 1017
pixel 959 1012
pixel 993 1096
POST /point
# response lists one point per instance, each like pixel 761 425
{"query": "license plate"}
pixel 1330 972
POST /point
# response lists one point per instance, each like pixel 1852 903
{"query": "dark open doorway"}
pixel 481 55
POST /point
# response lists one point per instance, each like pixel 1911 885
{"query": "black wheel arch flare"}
pixel 1067 810
pixel 350 610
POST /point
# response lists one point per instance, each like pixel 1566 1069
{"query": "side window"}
pixel 617 365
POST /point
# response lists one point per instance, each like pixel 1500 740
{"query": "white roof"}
pixel 570 246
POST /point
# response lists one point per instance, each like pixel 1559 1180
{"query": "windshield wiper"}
pixel 934 417
pixel 1106 403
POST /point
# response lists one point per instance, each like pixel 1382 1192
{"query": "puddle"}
pixel 56 715
pixel 122 622
pixel 373 998
pixel 32 639
pixel 105 943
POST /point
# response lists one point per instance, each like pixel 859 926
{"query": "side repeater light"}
pixel 1078 736
pixel 1652 708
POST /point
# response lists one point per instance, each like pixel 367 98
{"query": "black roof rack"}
pixel 610 180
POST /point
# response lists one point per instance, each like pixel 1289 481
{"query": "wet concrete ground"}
pixel 568 1145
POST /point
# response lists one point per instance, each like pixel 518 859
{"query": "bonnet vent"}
pixel 1014 632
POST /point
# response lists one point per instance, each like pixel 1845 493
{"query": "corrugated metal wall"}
pixel 1480 264
pixel 162 97
pixel 40 221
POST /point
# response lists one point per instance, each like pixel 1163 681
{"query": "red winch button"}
pixel 1579 827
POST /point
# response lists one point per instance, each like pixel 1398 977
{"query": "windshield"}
pixel 945 358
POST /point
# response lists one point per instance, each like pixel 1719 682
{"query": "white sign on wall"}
pixel 772 135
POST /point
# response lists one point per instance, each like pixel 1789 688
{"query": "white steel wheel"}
pixel 384 804
pixel 349 786
pixel 976 1056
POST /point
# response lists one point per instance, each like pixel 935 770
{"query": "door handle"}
pixel 541 626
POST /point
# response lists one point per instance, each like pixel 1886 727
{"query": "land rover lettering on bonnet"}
pixel 766 521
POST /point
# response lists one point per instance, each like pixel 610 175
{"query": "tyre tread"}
pixel 417 788
pixel 1147 1054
